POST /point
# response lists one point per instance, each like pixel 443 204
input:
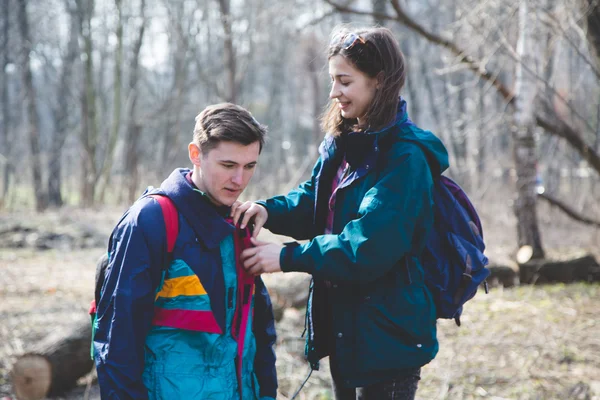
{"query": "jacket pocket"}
pixel 396 330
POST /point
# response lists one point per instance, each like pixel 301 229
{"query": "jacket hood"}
pixel 432 146
pixel 208 224
pixel 356 144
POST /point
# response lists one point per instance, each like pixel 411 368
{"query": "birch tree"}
pixel 523 137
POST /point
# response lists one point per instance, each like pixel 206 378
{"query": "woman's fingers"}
pixel 238 209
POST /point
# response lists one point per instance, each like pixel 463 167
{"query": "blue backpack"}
pixel 453 259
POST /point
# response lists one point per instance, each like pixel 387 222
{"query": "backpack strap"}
pixel 171 217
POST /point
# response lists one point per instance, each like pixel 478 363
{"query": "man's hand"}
pixel 250 210
pixel 262 259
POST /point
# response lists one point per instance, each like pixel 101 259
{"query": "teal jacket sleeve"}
pixel 292 214
pixel 393 213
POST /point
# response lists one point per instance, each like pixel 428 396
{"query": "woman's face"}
pixel 351 89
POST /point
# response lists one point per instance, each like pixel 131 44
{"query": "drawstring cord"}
pixel 303 383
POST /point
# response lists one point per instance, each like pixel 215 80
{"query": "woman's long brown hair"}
pixel 380 57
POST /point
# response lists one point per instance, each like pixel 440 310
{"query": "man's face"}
pixel 224 172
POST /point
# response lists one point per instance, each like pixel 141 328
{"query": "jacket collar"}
pixel 210 226
pixel 331 144
pixel 361 147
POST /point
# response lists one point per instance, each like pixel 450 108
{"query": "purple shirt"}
pixel 339 177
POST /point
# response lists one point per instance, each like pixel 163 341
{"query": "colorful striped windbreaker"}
pixel 199 329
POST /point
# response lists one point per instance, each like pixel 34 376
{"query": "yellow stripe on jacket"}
pixel 182 286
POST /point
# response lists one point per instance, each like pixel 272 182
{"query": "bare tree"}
pixel 105 173
pixel 89 127
pixel 5 150
pixel 593 35
pixel 31 106
pixel 593 25
pixel 379 8
pixel 179 46
pixel 61 110
pixel 524 140
pixel 313 65
pixel 134 128
pixel 230 58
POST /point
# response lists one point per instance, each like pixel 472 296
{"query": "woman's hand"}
pixel 262 259
pixel 249 210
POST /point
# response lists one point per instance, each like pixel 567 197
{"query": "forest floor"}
pixel 527 342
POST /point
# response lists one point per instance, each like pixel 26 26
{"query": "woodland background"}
pixel 98 99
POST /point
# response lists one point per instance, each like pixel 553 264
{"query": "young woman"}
pixel 366 212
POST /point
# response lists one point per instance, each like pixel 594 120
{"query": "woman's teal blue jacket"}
pixel 369 305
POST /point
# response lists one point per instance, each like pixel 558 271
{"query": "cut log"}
pixel 524 254
pixel 583 268
pixel 55 364
pixel 502 275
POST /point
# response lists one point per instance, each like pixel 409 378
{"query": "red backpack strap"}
pixel 171 217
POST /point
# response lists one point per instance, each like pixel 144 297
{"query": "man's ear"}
pixel 194 153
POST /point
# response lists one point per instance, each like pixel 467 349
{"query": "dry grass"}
pixel 524 343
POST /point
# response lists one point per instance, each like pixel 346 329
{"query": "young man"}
pixel 197 327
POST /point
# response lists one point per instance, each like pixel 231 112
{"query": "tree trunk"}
pixel 116 120
pixel 175 107
pixel 312 62
pixel 480 174
pixel 89 132
pixel 593 28
pixel 31 107
pixel 55 364
pixel 593 36
pixel 230 60
pixel 411 81
pixel 379 8
pixel 131 155
pixel 61 114
pixel 5 150
pixel 132 160
pixel 524 147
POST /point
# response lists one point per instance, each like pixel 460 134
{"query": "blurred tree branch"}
pixel 568 210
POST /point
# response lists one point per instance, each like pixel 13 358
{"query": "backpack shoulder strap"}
pixel 171 217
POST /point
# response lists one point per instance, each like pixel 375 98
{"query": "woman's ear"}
pixel 194 153
pixel 380 77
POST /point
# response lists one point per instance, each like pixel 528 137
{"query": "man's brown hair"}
pixel 227 122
